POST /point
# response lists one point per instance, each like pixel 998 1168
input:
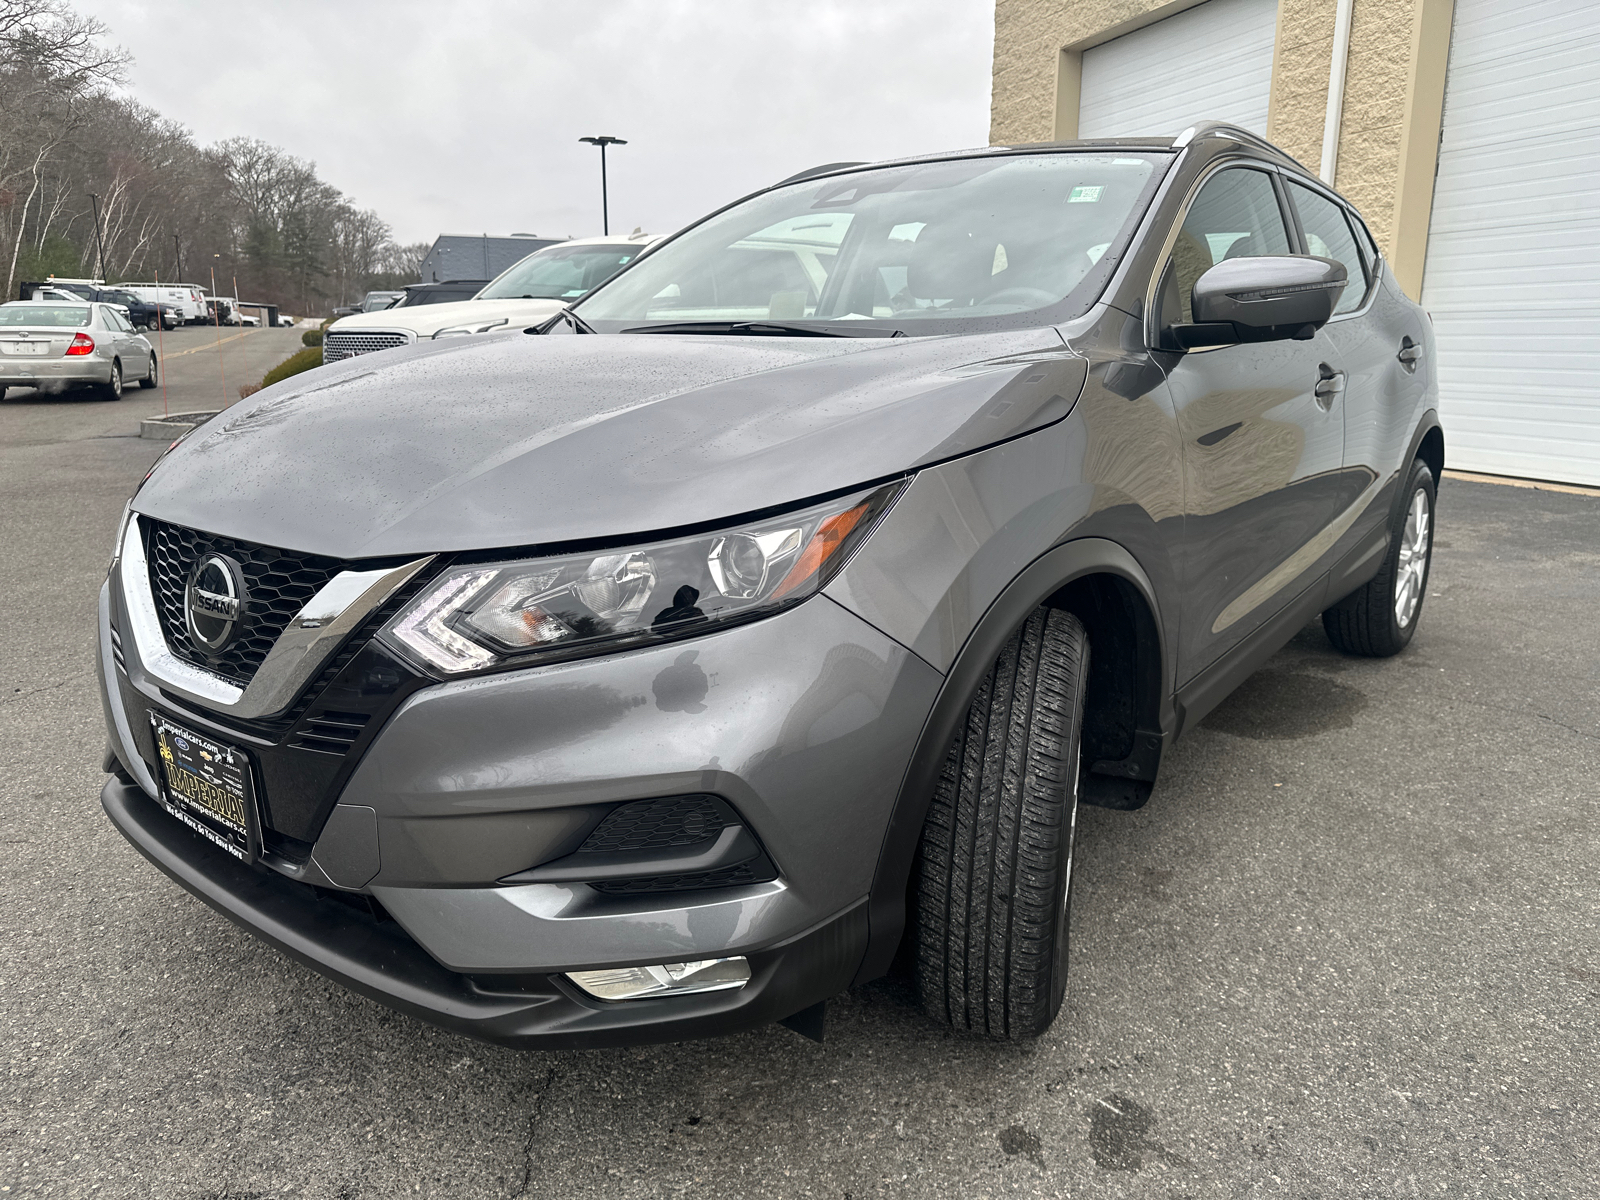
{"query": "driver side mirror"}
pixel 1262 299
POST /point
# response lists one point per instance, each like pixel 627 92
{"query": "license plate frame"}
pixel 27 349
pixel 209 786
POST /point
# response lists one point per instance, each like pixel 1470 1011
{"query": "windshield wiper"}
pixel 769 328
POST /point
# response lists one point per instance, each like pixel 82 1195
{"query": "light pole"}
pixel 100 245
pixel 605 207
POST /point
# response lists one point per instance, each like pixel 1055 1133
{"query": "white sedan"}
pixel 533 290
pixel 53 345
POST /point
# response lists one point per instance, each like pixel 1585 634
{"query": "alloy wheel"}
pixel 1415 545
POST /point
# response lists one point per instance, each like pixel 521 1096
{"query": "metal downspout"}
pixel 1336 73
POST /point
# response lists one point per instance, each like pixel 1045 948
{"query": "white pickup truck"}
pixel 533 290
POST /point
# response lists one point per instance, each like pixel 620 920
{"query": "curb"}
pixel 173 426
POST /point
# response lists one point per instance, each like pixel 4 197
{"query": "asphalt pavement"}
pixel 1347 950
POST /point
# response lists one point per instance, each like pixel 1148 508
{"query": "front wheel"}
pixel 1378 618
pixel 153 377
pixel 994 879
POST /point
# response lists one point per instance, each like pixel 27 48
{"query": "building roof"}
pixel 477 255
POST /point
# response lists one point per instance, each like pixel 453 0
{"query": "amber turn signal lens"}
pixel 824 544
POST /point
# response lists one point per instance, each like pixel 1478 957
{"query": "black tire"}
pixel 154 377
pixel 112 390
pixel 994 879
pixel 1366 622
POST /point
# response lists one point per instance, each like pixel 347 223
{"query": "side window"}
pixel 1328 236
pixel 1236 215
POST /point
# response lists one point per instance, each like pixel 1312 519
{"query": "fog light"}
pixel 677 979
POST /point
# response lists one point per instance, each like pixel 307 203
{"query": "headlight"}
pixel 483 327
pixel 487 615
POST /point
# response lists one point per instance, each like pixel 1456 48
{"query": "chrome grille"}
pixel 347 345
pixel 279 583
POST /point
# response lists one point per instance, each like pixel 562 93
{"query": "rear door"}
pixel 129 349
pixel 1263 451
pixel 1369 349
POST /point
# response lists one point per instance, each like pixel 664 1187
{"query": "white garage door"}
pixel 1513 270
pixel 1213 61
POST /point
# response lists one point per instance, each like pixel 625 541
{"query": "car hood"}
pixel 477 443
pixel 425 320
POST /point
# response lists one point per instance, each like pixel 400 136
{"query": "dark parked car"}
pixel 664 670
pixel 141 313
pixel 447 292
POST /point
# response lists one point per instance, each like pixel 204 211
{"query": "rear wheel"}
pixel 154 377
pixel 112 388
pixel 994 878
pixel 1378 619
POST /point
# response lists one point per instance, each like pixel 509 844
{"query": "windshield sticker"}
pixel 1000 263
pixel 1084 194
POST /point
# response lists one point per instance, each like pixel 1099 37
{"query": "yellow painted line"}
pixel 233 337
pixel 1512 481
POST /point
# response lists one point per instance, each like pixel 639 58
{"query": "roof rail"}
pixel 1238 133
pixel 824 169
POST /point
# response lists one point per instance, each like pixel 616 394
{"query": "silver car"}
pixel 53 345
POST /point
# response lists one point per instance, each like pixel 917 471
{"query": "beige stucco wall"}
pixel 1388 134
pixel 1029 36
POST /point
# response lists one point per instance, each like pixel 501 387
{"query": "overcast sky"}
pixel 463 117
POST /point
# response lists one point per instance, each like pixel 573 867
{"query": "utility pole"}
pixel 99 243
pixel 605 205
pixel 177 251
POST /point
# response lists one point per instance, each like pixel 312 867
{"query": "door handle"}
pixel 1329 384
pixel 1410 354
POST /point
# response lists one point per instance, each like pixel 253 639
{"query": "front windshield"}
pixel 561 272
pixel 921 247
pixel 36 314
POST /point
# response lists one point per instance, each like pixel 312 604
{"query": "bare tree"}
pixel 52 59
pixel 252 209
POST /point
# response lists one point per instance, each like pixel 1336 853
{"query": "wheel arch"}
pixel 1128 709
pixel 1430 447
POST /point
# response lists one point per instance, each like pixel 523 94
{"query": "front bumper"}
pixel 803 722
pixel 376 958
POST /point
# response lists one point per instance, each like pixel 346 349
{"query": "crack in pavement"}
pixel 19 694
pixel 1522 712
pixel 533 1133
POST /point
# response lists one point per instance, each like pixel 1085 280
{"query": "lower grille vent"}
pixel 657 825
pixel 331 732
pixel 116 650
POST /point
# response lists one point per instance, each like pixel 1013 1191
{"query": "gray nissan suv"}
pixel 675 665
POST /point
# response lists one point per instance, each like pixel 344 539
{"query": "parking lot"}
pixel 1348 949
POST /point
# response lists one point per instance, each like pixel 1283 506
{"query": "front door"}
pixel 1263 436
